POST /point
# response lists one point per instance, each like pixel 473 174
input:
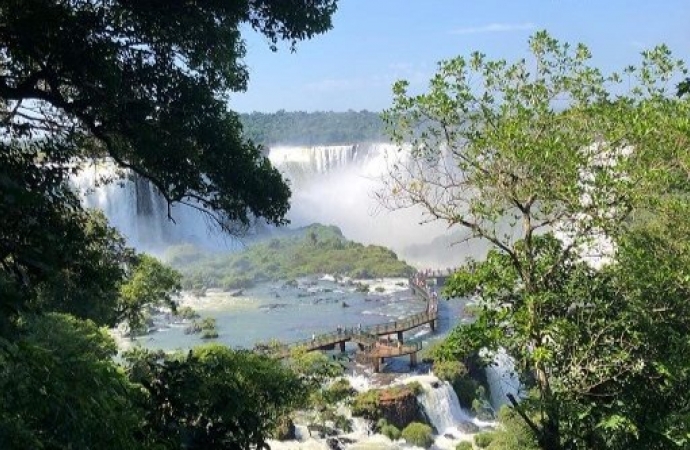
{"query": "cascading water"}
pixel 140 213
pixel 441 404
pixel 502 379
pixel 333 185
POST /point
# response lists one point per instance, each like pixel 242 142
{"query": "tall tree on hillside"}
pixel 517 153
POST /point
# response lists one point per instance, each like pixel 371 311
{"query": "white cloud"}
pixel 495 28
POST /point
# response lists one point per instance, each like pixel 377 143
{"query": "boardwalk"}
pixel 372 350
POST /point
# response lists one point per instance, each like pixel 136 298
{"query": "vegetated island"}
pixel 311 250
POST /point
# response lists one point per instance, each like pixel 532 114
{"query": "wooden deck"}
pixel 372 349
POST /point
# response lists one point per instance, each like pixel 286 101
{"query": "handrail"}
pixel 366 334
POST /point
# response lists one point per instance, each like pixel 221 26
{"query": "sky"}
pixel 373 43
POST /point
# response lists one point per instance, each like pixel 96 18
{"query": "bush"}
pixel 209 334
pixel 483 439
pixel 464 446
pixel 338 391
pixel 342 423
pixel 514 433
pixel 467 391
pixel 418 434
pixel 187 313
pixel 366 405
pixel 391 432
pixel 450 371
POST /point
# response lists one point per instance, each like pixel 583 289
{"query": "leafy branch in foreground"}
pixel 555 165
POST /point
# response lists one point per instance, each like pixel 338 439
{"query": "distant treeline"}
pixel 313 128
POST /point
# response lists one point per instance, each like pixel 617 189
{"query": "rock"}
pixel 334 444
pixel 345 305
pixel 449 436
pixel 435 384
pixel 399 407
pixel 467 427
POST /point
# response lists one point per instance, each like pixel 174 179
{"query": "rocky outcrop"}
pixel 399 407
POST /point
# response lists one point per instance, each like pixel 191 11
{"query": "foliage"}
pixel 186 313
pixel 449 370
pixel 338 391
pixel 215 397
pixel 390 431
pixel 464 445
pixel 285 430
pixel 544 160
pixel 60 388
pixel 289 257
pixel 512 433
pixel 150 284
pixel 366 404
pixel 144 84
pixel 484 439
pixel 312 128
pixel 418 434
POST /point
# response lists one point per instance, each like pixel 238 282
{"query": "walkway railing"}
pixel 367 335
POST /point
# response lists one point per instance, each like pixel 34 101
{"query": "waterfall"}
pixel 333 185
pixel 441 404
pixel 502 379
pixel 140 213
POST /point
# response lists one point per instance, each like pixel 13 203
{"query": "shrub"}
pixel 450 371
pixel 466 389
pixel 483 439
pixel 342 423
pixel 338 391
pixel 366 405
pixel 464 446
pixel 187 313
pixel 415 387
pixel 391 432
pixel 418 434
pixel 209 334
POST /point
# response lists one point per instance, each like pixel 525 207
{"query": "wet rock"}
pixel 334 444
pixel 467 427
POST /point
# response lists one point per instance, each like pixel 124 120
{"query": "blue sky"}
pixel 375 42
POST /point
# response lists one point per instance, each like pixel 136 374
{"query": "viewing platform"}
pixel 372 349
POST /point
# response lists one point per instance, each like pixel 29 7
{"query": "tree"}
pixel 60 388
pixel 150 284
pixel 549 163
pixel 214 397
pixel 144 83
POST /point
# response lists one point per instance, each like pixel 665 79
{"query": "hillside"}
pixel 311 250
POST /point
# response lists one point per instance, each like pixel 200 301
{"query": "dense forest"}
pixel 313 128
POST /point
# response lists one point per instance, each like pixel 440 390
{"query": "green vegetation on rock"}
pixel 311 250
pixel 418 434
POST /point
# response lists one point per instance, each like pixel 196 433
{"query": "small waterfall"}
pixel 502 379
pixel 441 404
